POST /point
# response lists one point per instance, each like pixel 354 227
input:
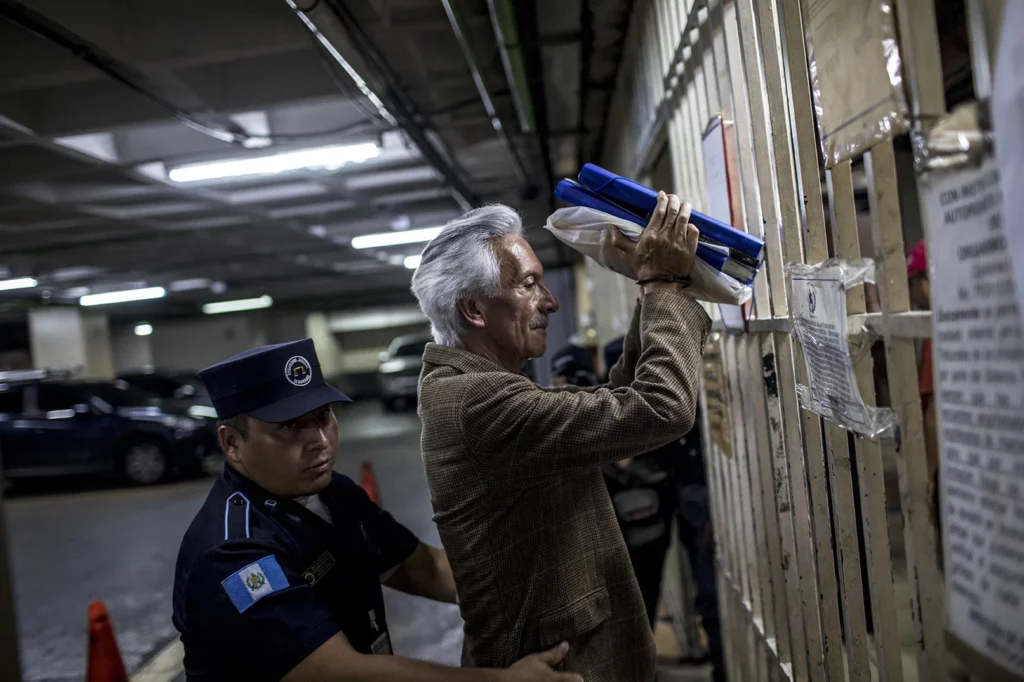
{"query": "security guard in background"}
pixel 278 577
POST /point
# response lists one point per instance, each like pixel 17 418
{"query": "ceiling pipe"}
pixel 528 190
pixel 335 29
pixel 511 51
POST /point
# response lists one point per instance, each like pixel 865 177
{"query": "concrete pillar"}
pixel 67 338
pixel 327 347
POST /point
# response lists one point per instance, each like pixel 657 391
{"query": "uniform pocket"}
pixel 578 618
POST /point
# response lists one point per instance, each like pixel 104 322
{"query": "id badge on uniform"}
pixel 382 645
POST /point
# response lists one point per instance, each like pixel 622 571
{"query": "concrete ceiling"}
pixel 86 203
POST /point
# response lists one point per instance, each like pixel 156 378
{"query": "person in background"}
pixel 573 366
pixel 921 299
pixel 681 463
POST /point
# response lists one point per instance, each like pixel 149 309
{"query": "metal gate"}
pixel 821 577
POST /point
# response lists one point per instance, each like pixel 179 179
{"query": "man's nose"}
pixel 317 438
pixel 550 303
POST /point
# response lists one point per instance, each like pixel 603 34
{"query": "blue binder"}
pixel 717 257
pixel 643 200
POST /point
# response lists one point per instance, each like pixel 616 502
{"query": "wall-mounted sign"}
pixel 979 380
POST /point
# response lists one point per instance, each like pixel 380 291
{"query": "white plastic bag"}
pixel 589 231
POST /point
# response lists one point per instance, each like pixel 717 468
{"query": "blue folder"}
pixel 643 200
pixel 717 257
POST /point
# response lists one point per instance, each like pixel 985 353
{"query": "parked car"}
pixel 52 428
pixel 178 392
pixel 399 372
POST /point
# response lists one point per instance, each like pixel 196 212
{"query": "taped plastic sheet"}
pixel 819 314
pixel 856 77
pixel 610 241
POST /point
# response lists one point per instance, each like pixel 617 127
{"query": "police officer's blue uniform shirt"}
pixel 261 581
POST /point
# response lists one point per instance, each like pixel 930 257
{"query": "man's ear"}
pixel 473 312
pixel 230 443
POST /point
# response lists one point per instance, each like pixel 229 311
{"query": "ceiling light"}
pixel 77 292
pixel 239 305
pixel 413 262
pixel 122 296
pixel 143 329
pixel 330 158
pixel 376 241
pixel 19 283
pixel 189 284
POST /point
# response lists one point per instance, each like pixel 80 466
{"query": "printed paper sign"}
pixel 819 311
pixel 979 369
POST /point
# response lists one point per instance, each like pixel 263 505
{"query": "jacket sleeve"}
pixel 532 432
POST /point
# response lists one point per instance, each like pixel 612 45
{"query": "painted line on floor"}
pixel 165 666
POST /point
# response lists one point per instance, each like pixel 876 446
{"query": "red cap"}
pixel 917 260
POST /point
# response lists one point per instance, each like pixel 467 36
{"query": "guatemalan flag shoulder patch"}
pixel 255 581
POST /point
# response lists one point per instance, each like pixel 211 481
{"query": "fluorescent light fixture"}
pixel 413 262
pixel 330 158
pixel 143 329
pixel 376 241
pixel 239 305
pixel 19 283
pixel 189 284
pixel 122 296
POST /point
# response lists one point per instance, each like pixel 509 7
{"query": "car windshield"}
pixel 411 349
pixel 121 394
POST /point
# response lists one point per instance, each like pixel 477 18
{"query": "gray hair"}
pixel 461 263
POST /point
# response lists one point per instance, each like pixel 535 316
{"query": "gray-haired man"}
pixel 514 469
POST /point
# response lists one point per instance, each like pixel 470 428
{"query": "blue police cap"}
pixel 271 383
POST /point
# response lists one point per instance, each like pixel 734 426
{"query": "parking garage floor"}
pixel 72 542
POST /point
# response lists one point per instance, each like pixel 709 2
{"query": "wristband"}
pixel 685 281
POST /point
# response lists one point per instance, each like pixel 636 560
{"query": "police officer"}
pixel 278 577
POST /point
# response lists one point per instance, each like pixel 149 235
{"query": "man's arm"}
pixel 337 661
pixel 426 573
pixel 537 433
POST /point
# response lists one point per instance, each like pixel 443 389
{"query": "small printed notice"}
pixel 819 312
pixel 979 371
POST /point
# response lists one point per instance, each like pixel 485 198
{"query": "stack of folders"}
pixel 723 247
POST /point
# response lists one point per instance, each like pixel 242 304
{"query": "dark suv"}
pixel 69 427
pixel 179 392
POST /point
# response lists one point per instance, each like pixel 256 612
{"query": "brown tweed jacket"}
pixel 522 509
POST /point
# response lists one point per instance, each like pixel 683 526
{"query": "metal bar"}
pixel 752 402
pixel 761 357
pixel 760 135
pixel 869 455
pixel 922 61
pixel 926 585
pixel 481 89
pixel 521 97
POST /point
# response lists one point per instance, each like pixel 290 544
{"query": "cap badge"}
pixel 297 371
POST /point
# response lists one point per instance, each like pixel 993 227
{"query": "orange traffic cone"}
pixel 105 664
pixel 369 483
